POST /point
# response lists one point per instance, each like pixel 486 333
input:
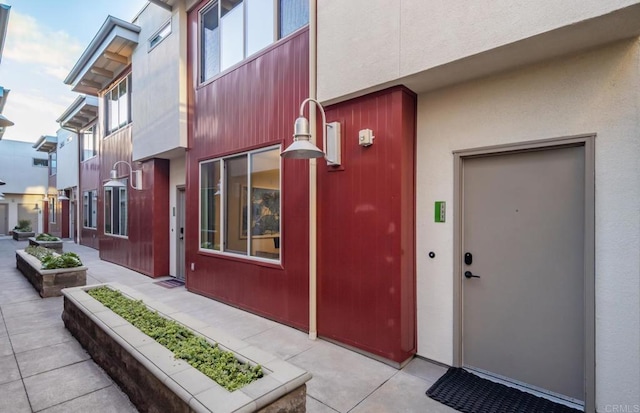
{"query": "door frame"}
pixel 588 142
pixel 180 253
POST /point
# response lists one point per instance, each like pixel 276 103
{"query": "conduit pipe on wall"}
pixel 313 175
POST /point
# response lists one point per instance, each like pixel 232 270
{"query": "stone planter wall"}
pixel 49 283
pixel 156 382
pixel 52 245
pixel 22 236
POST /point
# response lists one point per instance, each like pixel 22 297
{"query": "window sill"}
pixel 263 262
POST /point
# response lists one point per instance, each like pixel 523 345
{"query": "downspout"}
pixel 313 175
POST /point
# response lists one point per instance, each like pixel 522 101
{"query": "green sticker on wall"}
pixel 440 211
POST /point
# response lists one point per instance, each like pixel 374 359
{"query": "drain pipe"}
pixel 313 176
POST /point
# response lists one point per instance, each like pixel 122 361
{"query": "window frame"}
pixel 53 163
pixel 276 37
pixel 158 37
pixel 121 217
pixel 94 137
pixel 45 163
pixel 108 110
pixel 52 209
pixel 223 214
pixel 92 195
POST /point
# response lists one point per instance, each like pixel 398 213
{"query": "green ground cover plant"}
pixel 46 237
pixel 50 261
pixel 220 365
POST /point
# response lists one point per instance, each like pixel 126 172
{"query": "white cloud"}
pixel 29 42
pixel 33 115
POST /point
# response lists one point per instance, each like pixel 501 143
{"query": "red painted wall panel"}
pixel 89 181
pixel 146 248
pixel 253 105
pixel 366 244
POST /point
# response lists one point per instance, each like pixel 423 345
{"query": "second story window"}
pixel 118 105
pixel 53 163
pixel 232 30
pixel 89 143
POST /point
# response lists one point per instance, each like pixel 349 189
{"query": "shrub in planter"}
pixel 219 365
pixel 46 237
pixel 51 261
pixel 24 225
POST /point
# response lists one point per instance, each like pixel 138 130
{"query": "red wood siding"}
pixel 366 244
pixel 251 106
pixel 146 248
pixel 89 181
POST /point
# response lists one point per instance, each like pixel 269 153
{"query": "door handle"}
pixel 469 274
pixel 181 237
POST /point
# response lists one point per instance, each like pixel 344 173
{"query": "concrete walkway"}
pixel 44 369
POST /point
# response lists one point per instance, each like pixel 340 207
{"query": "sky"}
pixel 44 40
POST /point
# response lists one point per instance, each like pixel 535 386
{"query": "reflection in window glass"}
pixel 210 196
pixel 259 25
pixel 265 204
pixel 232 36
pixel 210 38
pixel 236 205
pixel 293 15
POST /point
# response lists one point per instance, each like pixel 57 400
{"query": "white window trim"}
pixel 104 229
pixel 96 141
pixel 157 33
pixel 222 217
pixel 275 39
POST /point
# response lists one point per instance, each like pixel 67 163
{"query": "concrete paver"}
pixel 46 370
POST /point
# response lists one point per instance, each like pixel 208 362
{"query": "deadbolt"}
pixel 468 258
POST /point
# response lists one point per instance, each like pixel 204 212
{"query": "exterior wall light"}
pixel 2 182
pixel 115 183
pixel 302 148
pixel 62 196
pixel 1 196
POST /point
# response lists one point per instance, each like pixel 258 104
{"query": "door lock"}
pixel 469 274
pixel 468 258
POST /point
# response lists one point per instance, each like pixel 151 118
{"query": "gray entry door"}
pixel 523 224
pixel 180 223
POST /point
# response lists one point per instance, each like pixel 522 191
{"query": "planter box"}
pixel 52 245
pixel 157 382
pixel 22 236
pixel 49 283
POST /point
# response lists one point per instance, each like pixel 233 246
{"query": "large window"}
pixel 89 143
pixel 232 30
pixel 41 162
pixel 240 204
pixel 117 105
pixel 90 209
pixel 115 210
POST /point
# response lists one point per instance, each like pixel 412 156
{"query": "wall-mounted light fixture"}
pixel 36 208
pixel 62 196
pixel 302 148
pixel 135 176
pixel 2 182
pixel 1 196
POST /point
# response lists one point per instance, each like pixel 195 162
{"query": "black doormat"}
pixel 170 283
pixel 468 393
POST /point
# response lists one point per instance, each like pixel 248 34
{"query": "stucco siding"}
pixel 595 92
pixel 366 45
pixel 159 85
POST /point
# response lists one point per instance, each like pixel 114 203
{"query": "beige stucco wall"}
pixel 595 92
pixel 158 105
pixel 363 44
